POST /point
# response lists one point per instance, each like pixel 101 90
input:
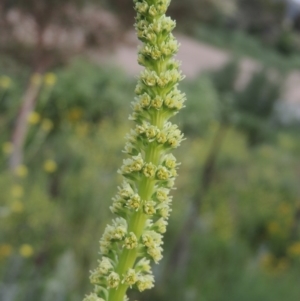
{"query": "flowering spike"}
pixel 134 239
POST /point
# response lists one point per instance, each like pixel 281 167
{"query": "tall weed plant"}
pixel 134 239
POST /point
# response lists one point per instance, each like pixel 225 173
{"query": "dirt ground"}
pixel 196 57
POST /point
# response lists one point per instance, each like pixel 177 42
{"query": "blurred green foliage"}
pixel 241 44
pixel 203 99
pixel 52 213
pixel 87 92
pixel 248 105
pixel 246 26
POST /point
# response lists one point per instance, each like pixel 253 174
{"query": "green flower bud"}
pixel 126 191
pixel 162 194
pixel 145 100
pixel 162 173
pixel 164 211
pixel 119 229
pixel 143 266
pixel 105 247
pixel 149 78
pixel 95 277
pixel 113 280
pixel 141 7
pixel 173 173
pixel 130 241
pixel 130 278
pixel 151 132
pixel 160 226
pixel 134 202
pixel 155 253
pixel 170 161
pixel 145 282
pixel 149 208
pixel 117 206
pixel 157 102
pixel 161 138
pixel 105 266
pixel 151 239
pixel 153 11
pixel 149 170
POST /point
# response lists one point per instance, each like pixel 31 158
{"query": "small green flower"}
pixel 145 282
pixel 105 266
pixel 149 170
pixel 130 278
pixel 113 280
pixel 149 208
pixel 130 241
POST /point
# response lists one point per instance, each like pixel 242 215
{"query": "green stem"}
pixel 158 120
pixel 136 225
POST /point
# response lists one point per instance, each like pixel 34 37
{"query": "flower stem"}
pixel 143 202
pixel 136 225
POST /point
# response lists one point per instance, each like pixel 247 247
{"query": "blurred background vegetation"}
pixel 235 229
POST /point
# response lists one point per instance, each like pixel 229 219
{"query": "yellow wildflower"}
pixel 284 208
pixel 17 207
pixel 5 250
pixel 5 82
pixel 274 266
pixel 22 171
pixel 294 249
pixel 50 79
pixel 75 114
pixel 47 125
pixel 26 250
pixel 273 228
pixel 50 166
pixel 36 79
pixel 267 261
pixel 7 148
pixel 17 191
pixel 283 265
pixel 34 118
